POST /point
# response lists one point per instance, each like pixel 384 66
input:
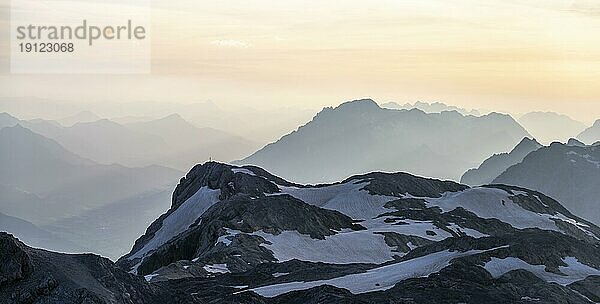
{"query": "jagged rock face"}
pixel 567 173
pixel 245 236
pixel 15 263
pixel 36 276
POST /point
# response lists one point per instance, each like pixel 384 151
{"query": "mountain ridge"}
pixel 545 170
pixel 359 136
pixel 498 163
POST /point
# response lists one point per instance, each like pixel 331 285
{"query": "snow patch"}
pixel 381 278
pixel 493 203
pixel 181 219
pixel 575 271
pixel 226 238
pixel 242 170
pixel 150 276
pixel 347 198
pixel 216 268
pixel 342 248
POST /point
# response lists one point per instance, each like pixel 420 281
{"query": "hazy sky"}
pixel 507 55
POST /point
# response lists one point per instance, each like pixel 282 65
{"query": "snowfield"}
pixel 347 198
pixel 243 170
pixel 181 219
pixel 381 278
pixel 343 248
pixel 496 203
pixel 575 271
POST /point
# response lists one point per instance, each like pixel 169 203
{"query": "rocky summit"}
pixel 242 235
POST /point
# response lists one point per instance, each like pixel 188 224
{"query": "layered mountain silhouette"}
pixel 498 163
pixel 184 143
pixel 81 117
pixel 170 141
pixel 591 135
pixel 42 182
pixel 256 124
pixel 548 127
pixel 435 107
pixel 359 136
pixel 567 172
pixel 36 236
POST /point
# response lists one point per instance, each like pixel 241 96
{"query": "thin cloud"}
pixel 228 43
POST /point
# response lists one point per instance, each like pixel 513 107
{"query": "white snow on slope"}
pixel 347 246
pixel 493 203
pixel 575 271
pixel 178 221
pixel 381 278
pixel 216 268
pixel 150 277
pixel 343 248
pixel 243 170
pixel 226 238
pixel 347 198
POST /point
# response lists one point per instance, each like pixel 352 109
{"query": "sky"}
pixel 513 56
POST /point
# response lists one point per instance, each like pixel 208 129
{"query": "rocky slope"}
pixel 498 163
pixel 567 172
pixel 30 275
pixel 359 137
pixel 242 235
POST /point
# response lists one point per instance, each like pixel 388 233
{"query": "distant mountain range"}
pixel 260 125
pixel 81 117
pixel 35 236
pixel 498 163
pixel 170 141
pixel 548 127
pixel 359 136
pixel 67 184
pixel 436 107
pixel 591 135
pixel 184 144
pixel 567 172
pixel 43 183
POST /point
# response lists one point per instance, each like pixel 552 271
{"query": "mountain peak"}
pixel 575 143
pixel 528 142
pixel 174 117
pixel 359 104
